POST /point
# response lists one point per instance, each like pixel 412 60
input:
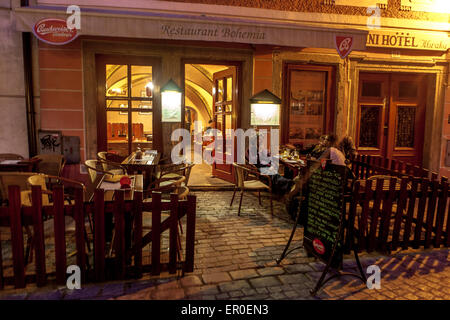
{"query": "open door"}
pixel 224 112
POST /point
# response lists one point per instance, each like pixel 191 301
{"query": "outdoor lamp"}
pixel 265 109
pixel 171 102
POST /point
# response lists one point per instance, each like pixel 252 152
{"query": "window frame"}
pixel 101 61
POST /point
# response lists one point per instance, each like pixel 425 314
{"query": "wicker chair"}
pixel 110 161
pixel 242 175
pixel 95 168
pixel 51 164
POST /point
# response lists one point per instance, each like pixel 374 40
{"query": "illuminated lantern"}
pixel 265 109
pixel 171 102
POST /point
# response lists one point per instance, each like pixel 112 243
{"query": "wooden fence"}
pixel 128 258
pixel 408 212
pixel 364 166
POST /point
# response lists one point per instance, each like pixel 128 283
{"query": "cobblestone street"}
pixel 235 259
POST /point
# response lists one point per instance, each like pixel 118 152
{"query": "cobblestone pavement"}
pixel 235 259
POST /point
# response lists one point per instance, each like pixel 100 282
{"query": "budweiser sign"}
pixel 318 246
pixel 54 31
pixel 343 45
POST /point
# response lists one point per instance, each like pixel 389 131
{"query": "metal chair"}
pixel 40 180
pixel 13 179
pixel 51 164
pixel 175 172
pixel 110 161
pixel 242 175
pixel 95 167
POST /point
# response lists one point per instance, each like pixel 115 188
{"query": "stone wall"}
pixel 13 125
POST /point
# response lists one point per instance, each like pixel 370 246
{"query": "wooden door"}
pixel 225 107
pixel 391 116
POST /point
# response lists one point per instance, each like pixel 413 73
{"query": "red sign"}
pixel 54 31
pixel 343 45
pixel 125 182
pixel 318 246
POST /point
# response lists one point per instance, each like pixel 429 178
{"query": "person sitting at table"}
pixel 332 152
pixel 315 151
pixel 280 184
pixel 347 147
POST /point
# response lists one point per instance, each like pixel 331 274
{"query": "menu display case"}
pixel 308 104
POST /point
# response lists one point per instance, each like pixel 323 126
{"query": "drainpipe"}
pixel 28 85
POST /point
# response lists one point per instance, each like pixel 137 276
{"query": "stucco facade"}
pixel 65 82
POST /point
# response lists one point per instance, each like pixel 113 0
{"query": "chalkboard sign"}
pixel 325 201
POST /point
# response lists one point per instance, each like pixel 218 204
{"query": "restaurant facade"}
pixel 337 67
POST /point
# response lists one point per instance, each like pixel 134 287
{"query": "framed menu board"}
pixel 307 110
pixel 325 209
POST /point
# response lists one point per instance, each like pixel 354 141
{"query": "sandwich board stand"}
pixel 323 232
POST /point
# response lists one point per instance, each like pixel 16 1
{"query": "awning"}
pixel 155 25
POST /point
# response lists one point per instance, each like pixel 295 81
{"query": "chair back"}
pixel 10 156
pixel 239 175
pixel 13 179
pixel 51 164
pixel 102 156
pixel 183 192
pixel 40 180
pixel 91 166
pixel 187 172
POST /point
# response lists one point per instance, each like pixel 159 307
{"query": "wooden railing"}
pixel 128 258
pixel 364 166
pixel 386 214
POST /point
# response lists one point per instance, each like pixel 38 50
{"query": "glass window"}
pixel 141 81
pixel 117 127
pixel 220 90
pixel 116 80
pixel 229 89
pixel 307 100
pixel 129 111
pixel 369 126
pixel 406 118
pixel 142 130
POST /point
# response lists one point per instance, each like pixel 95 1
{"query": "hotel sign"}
pixel 408 40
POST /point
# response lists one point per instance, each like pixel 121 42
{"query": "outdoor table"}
pixel 146 165
pixel 295 165
pixel 110 188
pixel 26 165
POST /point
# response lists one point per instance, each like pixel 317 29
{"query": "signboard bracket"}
pixel 314 245
pixel 297 220
pixel 338 273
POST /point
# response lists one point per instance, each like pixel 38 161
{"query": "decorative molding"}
pixel 329 2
